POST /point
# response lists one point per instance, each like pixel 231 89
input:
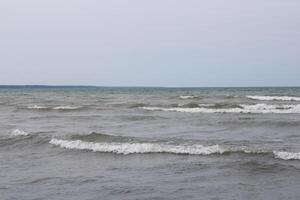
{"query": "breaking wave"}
pixel 255 109
pixel 138 148
pixel 274 98
pixel 287 155
pixel 187 97
pixel 37 107
pixel 126 148
pixel 66 107
pixel 19 132
pixel 129 145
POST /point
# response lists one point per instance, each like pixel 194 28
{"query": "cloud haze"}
pixel 150 43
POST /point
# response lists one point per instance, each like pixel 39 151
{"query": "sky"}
pixel 170 43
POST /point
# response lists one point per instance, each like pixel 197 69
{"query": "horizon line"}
pixel 102 86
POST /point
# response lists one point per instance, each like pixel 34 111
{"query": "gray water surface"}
pixel 149 143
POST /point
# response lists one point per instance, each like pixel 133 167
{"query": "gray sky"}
pixel 150 42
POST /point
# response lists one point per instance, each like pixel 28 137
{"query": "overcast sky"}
pixel 150 42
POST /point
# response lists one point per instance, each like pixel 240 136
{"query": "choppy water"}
pixel 149 143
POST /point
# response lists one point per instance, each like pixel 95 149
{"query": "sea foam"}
pixel 131 148
pixel 66 107
pixel 126 148
pixel 274 98
pixel 256 109
pixel 287 155
pixel 37 107
pixel 187 97
pixel 19 132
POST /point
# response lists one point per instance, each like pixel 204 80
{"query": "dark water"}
pixel 149 143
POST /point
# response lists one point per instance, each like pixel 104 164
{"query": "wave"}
pixel 187 97
pixel 137 105
pixel 98 142
pixel 22 139
pixel 287 155
pixel 19 132
pixel 205 105
pixel 138 148
pixel 255 109
pixel 274 98
pixel 66 107
pixel 222 105
pixel 189 105
pixel 126 148
pixel 37 107
pixel 130 145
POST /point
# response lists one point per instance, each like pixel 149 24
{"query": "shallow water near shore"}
pixel 149 143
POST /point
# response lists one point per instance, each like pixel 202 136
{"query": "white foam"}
pixel 187 97
pixel 37 107
pixel 130 148
pixel 256 109
pixel 140 148
pixel 287 155
pixel 274 98
pixel 66 107
pixel 19 132
pixel 54 108
pixel 266 108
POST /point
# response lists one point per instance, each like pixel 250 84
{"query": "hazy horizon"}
pixel 150 43
pixel 130 86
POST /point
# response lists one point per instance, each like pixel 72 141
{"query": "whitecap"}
pixel 37 107
pixel 66 107
pixel 126 148
pixel 255 109
pixel 284 155
pixel 139 148
pixel 19 132
pixel 274 98
pixel 187 97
